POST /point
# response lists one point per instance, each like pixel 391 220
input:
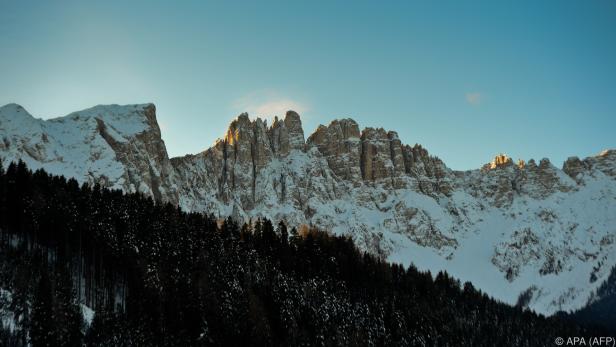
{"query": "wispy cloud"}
pixel 267 104
pixel 474 98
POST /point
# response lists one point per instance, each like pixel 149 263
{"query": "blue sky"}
pixel 467 80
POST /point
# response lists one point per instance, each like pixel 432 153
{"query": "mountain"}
pixel 601 309
pixel 146 274
pixel 527 232
pixel 118 147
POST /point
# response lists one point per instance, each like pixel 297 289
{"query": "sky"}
pixel 467 80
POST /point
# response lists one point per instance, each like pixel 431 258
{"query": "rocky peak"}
pixel 293 123
pixel 133 134
pixel 545 179
pixel 265 142
pixel 339 129
pixel 376 154
pixel 237 161
pixel 339 143
pixel 419 163
pixel 499 161
pixel 287 135
pixel 545 163
pixel 247 142
pixel 604 162
pixel 607 153
pixel 127 120
pixel 116 146
pixel 397 156
pixel 391 198
pixel 238 128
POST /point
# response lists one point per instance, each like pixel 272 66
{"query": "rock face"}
pixel 603 163
pixel 116 146
pixel 499 161
pixel 340 144
pixel 506 227
pixel 287 135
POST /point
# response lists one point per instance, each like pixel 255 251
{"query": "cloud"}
pixel 278 107
pixel 267 104
pixel 474 98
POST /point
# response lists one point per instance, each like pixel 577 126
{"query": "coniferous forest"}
pixel 601 311
pixel 157 276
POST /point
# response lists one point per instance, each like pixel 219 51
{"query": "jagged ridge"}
pixel 508 228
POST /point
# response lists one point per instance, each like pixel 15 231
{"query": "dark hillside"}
pixel 157 276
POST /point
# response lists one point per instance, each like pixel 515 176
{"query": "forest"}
pixel 154 275
pixel 601 311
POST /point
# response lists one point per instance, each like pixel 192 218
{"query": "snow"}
pixel 71 145
pixel 7 318
pixel 473 259
pixel 88 314
pixel 471 233
pixel 570 222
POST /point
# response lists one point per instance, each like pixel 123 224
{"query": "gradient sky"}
pixel 467 80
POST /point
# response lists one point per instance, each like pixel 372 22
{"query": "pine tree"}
pixel 181 279
pixel 67 315
pixel 42 330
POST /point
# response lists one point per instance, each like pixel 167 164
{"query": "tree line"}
pixel 158 276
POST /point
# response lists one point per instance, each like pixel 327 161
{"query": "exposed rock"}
pixel 397 158
pixel 376 160
pixel 394 200
pixel 604 162
pixel 279 134
pixel 145 158
pixel 500 161
pixel 418 162
pixel 339 143
pixel 573 166
pixel 521 164
pixel 287 134
pixel 118 147
pixel 431 175
pixel 293 123
pixel 545 179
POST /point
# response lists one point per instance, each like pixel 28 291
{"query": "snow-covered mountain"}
pixel 118 147
pixel 509 228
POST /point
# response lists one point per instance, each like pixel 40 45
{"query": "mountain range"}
pixel 514 229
